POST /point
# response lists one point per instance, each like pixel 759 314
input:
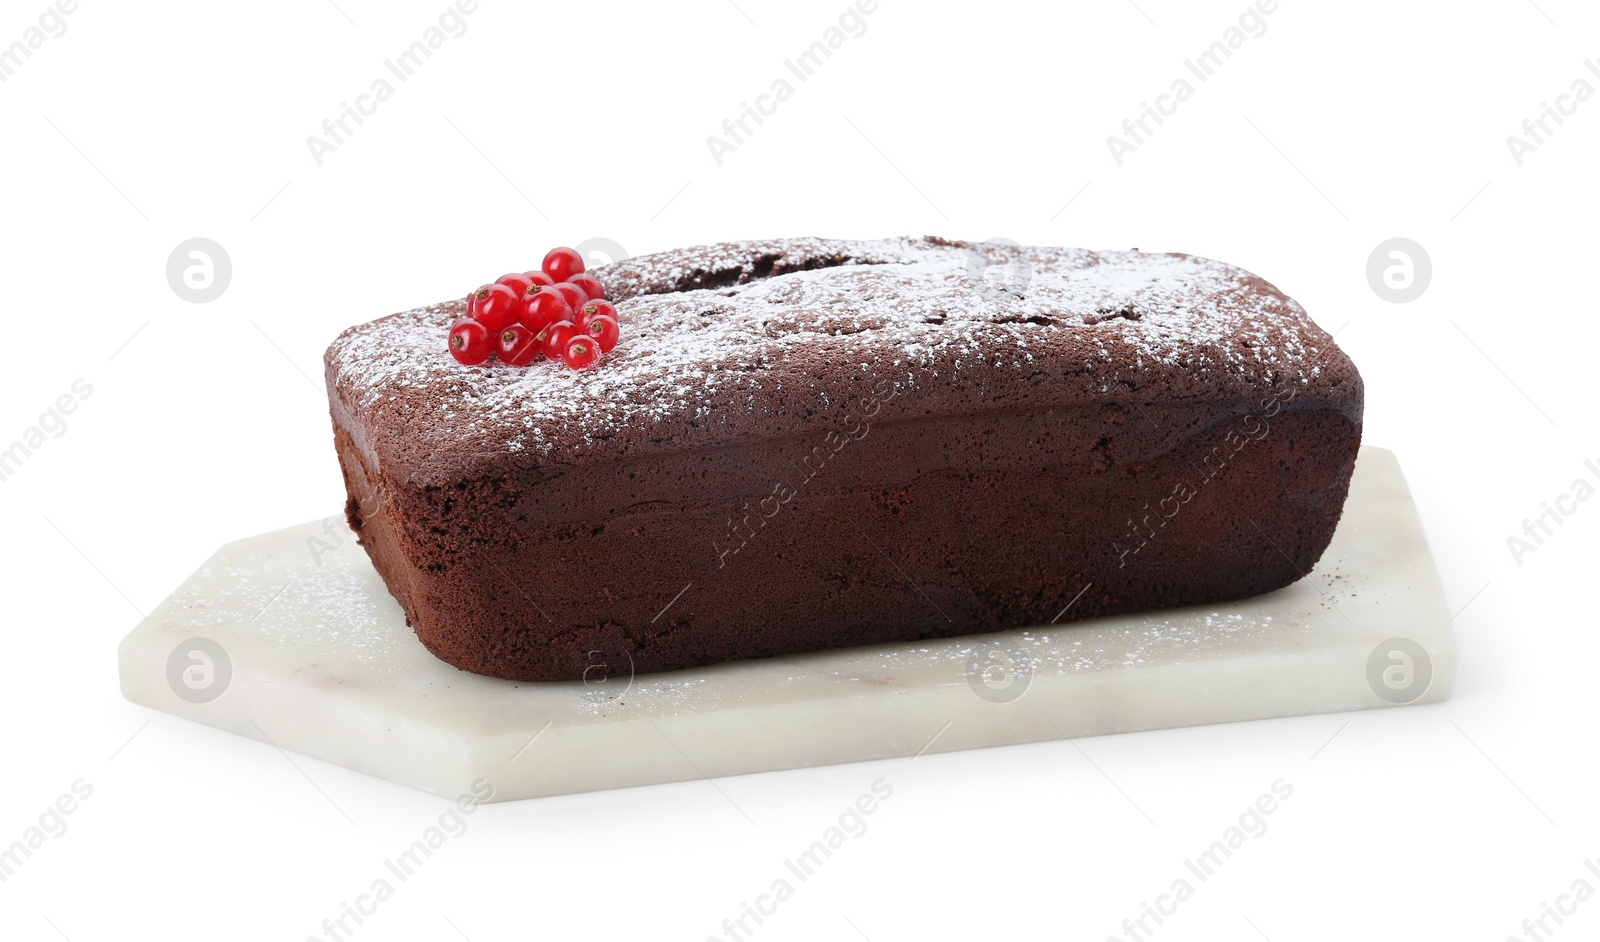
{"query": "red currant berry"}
pixel 582 352
pixel 539 278
pixel 604 331
pixel 544 307
pixel 469 342
pixel 517 345
pixel 476 298
pixel 589 285
pixel 562 263
pixel 516 281
pixel 597 308
pixel 572 294
pixel 553 339
pixel 498 307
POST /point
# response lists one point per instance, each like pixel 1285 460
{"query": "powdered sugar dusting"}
pixel 711 335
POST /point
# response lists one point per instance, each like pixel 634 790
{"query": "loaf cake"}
pixel 804 443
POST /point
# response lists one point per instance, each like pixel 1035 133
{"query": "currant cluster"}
pixel 559 312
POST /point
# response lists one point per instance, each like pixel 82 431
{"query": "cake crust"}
pixel 808 443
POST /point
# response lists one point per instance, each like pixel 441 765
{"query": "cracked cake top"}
pixel 751 340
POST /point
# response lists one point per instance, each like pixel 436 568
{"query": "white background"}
pixel 1343 125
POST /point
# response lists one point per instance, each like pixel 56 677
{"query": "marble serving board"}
pixel 291 638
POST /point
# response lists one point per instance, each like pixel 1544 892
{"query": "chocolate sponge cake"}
pixel 801 444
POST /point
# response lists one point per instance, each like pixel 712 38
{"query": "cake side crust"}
pixel 817 558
